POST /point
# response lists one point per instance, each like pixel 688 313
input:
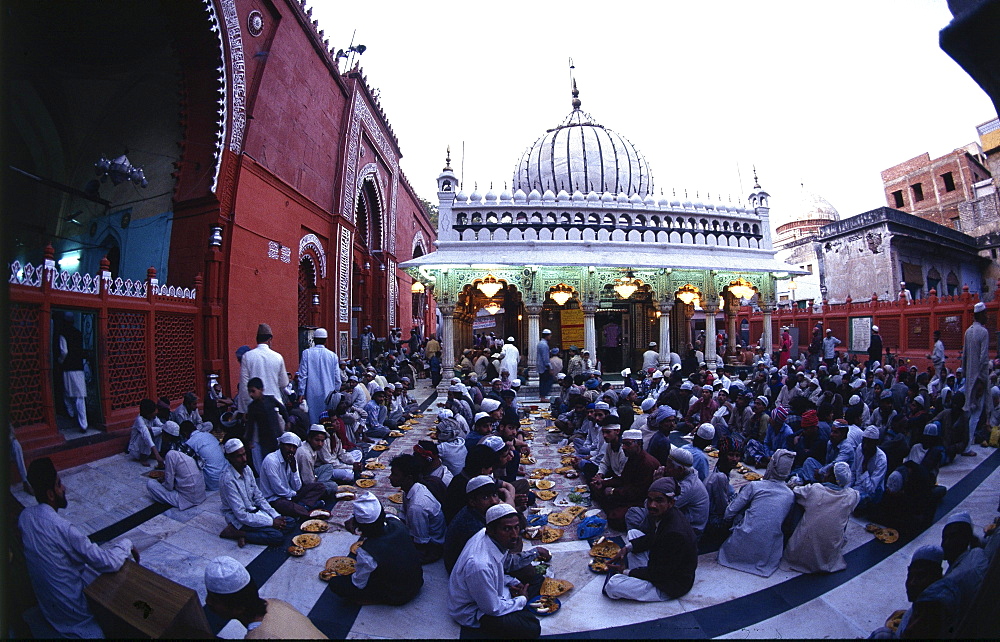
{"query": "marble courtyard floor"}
pixel 108 500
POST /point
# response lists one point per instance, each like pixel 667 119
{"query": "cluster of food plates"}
pixel 382 445
pixel 602 552
pixel 884 535
pixel 365 483
pixel 374 464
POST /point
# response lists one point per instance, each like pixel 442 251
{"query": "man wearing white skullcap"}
pixel 692 496
pixel 421 510
pixel 616 493
pixel 319 374
pixel 459 404
pixel 869 468
pixel 976 367
pixel 234 595
pixel 213 459
pixel 480 596
pixel 510 357
pixel 182 484
pixel 817 545
pixel 387 570
pixel 281 484
pixel 249 517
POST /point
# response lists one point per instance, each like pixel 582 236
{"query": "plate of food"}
pixel 546 495
pixel 554 588
pixel 575 510
pixel 560 519
pixel 752 476
pixel 566 450
pixel 380 447
pixel 296 551
pixel 346 496
pixel 598 565
pixel 307 540
pixel 713 453
pixel 156 474
pixel 568 460
pixel 604 548
pixel 356 545
pixel 537 474
pixel 396 433
pixel 396 498
pixel 374 465
pixel 335 566
pixel 550 535
pixel 544 484
pixel 528 460
pixel 365 483
pixel 346 488
pixel 887 535
pixel 368 474
pixel 315 526
pixel 562 470
pixel 544 605
pixel 872 528
pixel 581 489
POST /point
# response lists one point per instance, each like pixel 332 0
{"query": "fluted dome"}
pixel 582 155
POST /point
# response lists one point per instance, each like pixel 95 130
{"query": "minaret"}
pixel 447 186
pixel 759 202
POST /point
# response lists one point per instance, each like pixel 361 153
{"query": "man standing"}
pixel 976 368
pixel 60 558
pixel 71 359
pixel 182 485
pixel 319 374
pixel 511 358
pixel 874 348
pixel 281 484
pixel 249 518
pixel 937 357
pixel 830 344
pixel 650 358
pixel 265 364
pixel 542 364
pixel 481 595
pixel 367 343
pixel 265 421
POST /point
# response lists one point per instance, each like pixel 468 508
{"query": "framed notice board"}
pixel 861 334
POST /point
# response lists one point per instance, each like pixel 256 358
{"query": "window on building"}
pixel 918 192
pixel 949 182
pixel 898 198
pixel 957 223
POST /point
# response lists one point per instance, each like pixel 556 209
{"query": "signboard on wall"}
pixel 861 334
pixel 571 324
pixel 484 322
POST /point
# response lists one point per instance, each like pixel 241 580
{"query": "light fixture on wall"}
pixel 688 294
pixel 492 307
pixel 561 294
pixel 490 286
pixel 417 288
pixel 626 286
pixel 316 300
pixel 792 285
pixel 741 289
pixel 215 238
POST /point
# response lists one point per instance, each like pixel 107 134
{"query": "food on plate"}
pixel 380 447
pixel 375 465
pixel 296 551
pixel 598 565
pixel 528 460
pixel 752 476
pixel 604 548
pixel 572 474
pixel 315 526
pixel 544 484
pixel 544 605
pixel 550 535
pixel 546 495
pixel 395 433
pixel 340 565
pixel 555 588
pixel 356 545
pixel 564 469
pixel 307 540
pixel 396 498
pixel 887 535
pixel 346 496
pixel 156 474
pixel 575 511
pixel 714 453
pixel 560 519
pixel 365 483
pixel 367 474
pixel 346 488
pixel 895 620
pixel 871 528
pixel 566 449
pixel 326 575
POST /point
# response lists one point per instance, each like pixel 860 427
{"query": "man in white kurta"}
pixel 817 545
pixel 243 505
pixel 74 382
pixel 319 374
pixel 976 369
pixel 61 560
pixel 183 484
pixel 209 451
pixel 869 468
pixel 265 363
pixel 511 358
pixel 758 510
pixel 650 358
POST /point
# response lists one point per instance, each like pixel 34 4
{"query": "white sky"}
pixel 822 93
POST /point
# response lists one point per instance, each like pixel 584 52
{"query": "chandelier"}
pixel 490 286
pixel 688 294
pixel 492 307
pixel 120 170
pixel 741 289
pixel 561 294
pixel 627 285
pixel 417 288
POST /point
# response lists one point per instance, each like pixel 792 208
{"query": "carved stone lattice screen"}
pixel 126 358
pixel 25 365
pixel 175 357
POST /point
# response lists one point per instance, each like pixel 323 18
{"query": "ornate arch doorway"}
pixel 371 267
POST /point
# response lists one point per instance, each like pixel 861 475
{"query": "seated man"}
pixel 187 411
pixel 869 470
pixel 839 448
pixel 388 567
pixel 309 458
pixel 615 494
pixel 146 434
pixel 808 442
pixel 281 484
pixel 662 422
pixel 452 445
pixel 61 560
pixel 482 426
pixel 209 451
pixel 249 518
pixel 759 510
pixel 923 571
pixel 421 511
pixel 481 595
pixel 182 484
pixel 589 443
pixel 479 462
pixel 910 500
pixel 692 496
pixel 233 594
pixel 703 438
pixel 720 490
pixel 817 545
pixel 777 437
pixel 662 558
pixel 376 423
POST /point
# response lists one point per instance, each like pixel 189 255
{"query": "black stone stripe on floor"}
pixel 713 621
pixel 427 402
pixel 123 526
pixel 335 616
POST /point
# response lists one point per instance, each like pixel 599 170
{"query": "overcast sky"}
pixel 825 94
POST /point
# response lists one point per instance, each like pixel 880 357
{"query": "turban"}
pixel 810 418
pixel 780 465
pixel 842 471
pixel 780 413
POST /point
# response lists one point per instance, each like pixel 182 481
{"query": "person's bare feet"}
pixel 969 453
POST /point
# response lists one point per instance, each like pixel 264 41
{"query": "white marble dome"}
pixel 582 155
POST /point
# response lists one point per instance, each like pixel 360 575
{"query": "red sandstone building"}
pixel 933 189
pixel 272 193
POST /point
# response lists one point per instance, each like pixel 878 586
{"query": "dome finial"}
pixel 447 160
pixel 576 92
pixel 756 183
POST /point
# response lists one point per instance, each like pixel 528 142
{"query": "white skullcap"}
pixel 232 446
pixel 647 404
pixel 205 426
pixel 399 385
pixel 516 383
pixel 444 413
pixel 546 331
pixel 874 328
pixel 290 438
pixel 320 333
pixel 632 433
pixel 510 339
pixel 933 554
pixel 489 405
pixel 854 400
pixel 367 509
pixel 600 405
pixel 682 457
pixel 652 344
pixel 919 399
pixel 480 415
pixel 871 432
pixel 706 431
pixel 456 388
pixel 657 375
pixel 478 482
pixel 979 307
pixel 316 428
pixel 455 380
pixel 225 576
pixel 626 372
pixel 626 391
pixel 893 483
pixel 494 442
pixel 172 428
pixel 560 376
pixel 687 385
pixel 498 512
pixel 962 517
pixel 842 472
pixel 857 383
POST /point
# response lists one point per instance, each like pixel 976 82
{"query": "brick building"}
pixel 933 189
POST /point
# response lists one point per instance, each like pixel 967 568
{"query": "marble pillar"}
pixel 590 330
pixel 666 307
pixel 533 311
pixel 710 332
pixel 447 342
pixel 768 346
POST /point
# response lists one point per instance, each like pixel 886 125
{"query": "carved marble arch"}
pixel 311 249
pixel 370 213
pixel 418 248
pixel 471 299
